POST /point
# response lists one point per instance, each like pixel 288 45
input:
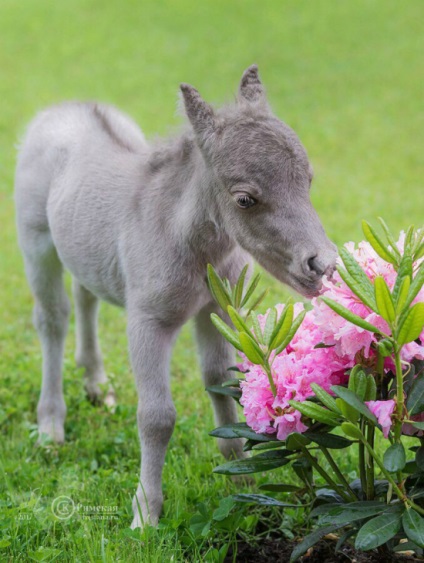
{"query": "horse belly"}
pixel 86 238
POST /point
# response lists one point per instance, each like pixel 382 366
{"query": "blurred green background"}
pixel 348 76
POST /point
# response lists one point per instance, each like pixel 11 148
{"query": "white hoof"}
pixel 145 515
pixel 137 523
pixel 51 420
pixel 97 394
pixel 52 430
pixel 110 400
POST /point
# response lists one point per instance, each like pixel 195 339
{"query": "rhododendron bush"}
pixel 330 375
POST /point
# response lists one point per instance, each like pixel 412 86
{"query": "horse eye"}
pixel 245 201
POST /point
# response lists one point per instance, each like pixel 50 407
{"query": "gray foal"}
pixel 136 224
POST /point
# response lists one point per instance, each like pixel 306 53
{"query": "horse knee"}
pixel 156 425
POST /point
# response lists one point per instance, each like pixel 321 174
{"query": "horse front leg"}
pixel 216 356
pixel 150 346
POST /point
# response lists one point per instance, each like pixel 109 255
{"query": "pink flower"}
pixel 288 423
pixel 341 345
pixel 383 410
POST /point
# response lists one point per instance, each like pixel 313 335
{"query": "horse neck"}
pixel 195 220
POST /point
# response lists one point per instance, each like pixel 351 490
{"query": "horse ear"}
pixel 200 113
pixel 251 88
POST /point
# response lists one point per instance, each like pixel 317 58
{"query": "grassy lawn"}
pixel 347 76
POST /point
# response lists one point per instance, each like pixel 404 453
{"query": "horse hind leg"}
pixel 51 315
pixel 88 355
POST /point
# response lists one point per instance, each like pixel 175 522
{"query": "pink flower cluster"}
pixel 302 363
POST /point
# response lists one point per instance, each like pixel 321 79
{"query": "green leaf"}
pixel 378 531
pixel 347 411
pixel 378 245
pixel 384 300
pixel 226 431
pixel 250 289
pixel 412 325
pixel 371 392
pixel 248 445
pixel 358 383
pixel 405 270
pixel 255 464
pixel 282 328
pixel 225 506
pixel 394 458
pixel 413 525
pixel 251 349
pixel 328 496
pixel 352 431
pixel 200 525
pixel 240 430
pixel 351 512
pixel 419 239
pixel 407 247
pixel 419 253
pixel 220 390
pixel 237 320
pixel 415 400
pixel 272 444
pixel 294 327
pixel 328 440
pixel 326 399
pixel 296 441
pixel 357 279
pixel 352 374
pixel 310 540
pixel 404 287
pixel 279 488
pixel 257 328
pixel 416 285
pixel 349 316
pixel 218 289
pixel 325 508
pixel 257 302
pixel 389 237
pixel 354 401
pixel 270 325
pixel 263 499
pixel 357 289
pixel 316 412
pixel 238 290
pixel 226 331
pixel 232 382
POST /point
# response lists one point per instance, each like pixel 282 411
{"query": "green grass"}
pixel 346 75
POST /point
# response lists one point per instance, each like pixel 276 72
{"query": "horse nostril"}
pixel 315 266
